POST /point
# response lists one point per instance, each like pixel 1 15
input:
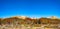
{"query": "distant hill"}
pixel 49 20
pixel 27 20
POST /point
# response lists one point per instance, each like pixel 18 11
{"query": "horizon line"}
pixel 28 16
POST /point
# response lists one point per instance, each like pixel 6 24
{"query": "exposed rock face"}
pixel 0 21
pixel 28 23
pixel 49 20
pixel 27 20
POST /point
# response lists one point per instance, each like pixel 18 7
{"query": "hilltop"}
pixel 27 20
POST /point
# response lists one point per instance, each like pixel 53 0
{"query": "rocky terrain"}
pixel 32 22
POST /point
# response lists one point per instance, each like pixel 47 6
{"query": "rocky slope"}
pixel 27 20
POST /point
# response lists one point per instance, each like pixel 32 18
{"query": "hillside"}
pixel 28 20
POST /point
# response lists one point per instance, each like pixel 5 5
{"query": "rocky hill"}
pixel 27 20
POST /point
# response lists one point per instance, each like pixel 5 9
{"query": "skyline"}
pixel 30 8
pixel 32 17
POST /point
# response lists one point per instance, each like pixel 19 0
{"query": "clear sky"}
pixel 30 8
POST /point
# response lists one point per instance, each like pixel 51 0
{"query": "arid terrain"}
pixel 29 23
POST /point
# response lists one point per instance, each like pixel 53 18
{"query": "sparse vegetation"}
pixel 28 22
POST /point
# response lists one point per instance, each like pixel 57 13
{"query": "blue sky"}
pixel 30 8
